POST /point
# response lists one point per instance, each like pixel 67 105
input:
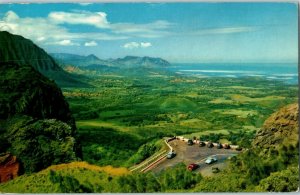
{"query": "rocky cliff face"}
pixel 9 167
pixel 281 128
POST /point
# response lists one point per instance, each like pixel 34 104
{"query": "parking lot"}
pixel 195 154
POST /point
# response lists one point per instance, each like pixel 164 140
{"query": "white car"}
pixel 211 160
pixel 171 155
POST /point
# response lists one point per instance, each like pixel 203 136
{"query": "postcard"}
pixel 139 97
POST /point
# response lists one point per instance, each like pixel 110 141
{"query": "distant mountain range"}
pixel 65 59
pixel 127 62
pixel 21 51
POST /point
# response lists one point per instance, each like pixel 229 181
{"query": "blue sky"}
pixel 178 32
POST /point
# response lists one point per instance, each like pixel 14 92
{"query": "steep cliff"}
pixel 281 128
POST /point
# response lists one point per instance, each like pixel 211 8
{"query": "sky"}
pixel 177 32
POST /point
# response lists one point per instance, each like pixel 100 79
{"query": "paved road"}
pixel 194 154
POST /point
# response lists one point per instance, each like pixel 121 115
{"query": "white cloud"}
pixel 134 45
pixel 131 45
pixel 85 4
pixel 97 19
pixel 226 30
pixel 40 39
pixel 145 44
pixel 90 44
pixel 150 30
pixel 67 42
pixel 49 30
pixel 46 31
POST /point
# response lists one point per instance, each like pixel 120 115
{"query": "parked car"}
pixel 219 146
pixel 171 154
pixel 226 146
pixel 190 142
pixel 238 148
pixel 215 169
pixel 201 144
pixel 211 160
pixel 210 145
pixel 192 167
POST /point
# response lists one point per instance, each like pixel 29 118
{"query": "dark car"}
pixel 192 166
pixel 190 142
pixel 210 145
pixel 238 148
pixel 171 155
pixel 215 169
pixel 201 144
pixel 226 146
pixel 219 146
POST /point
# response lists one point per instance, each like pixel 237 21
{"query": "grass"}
pixel 96 123
pixel 237 112
pixel 174 103
pixel 242 98
pixel 116 171
pixel 195 123
pixel 73 177
pixel 198 134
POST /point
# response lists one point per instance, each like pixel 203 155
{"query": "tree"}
pixel 282 181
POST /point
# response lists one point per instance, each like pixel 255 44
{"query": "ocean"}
pixel 287 72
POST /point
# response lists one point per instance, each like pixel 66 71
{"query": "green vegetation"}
pixel 40 143
pixel 145 108
pixel 85 179
pixel 35 121
pixel 281 181
pixel 106 146
pixel 252 171
pixel 122 119
pixel 25 91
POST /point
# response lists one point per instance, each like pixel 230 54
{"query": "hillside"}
pixel 36 125
pixel 281 128
pixel 71 177
pixel 17 49
pixel 27 92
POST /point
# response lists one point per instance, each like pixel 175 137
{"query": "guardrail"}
pixel 154 160
pixel 147 161
pixel 154 164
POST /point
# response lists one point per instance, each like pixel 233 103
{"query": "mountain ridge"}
pixel 125 62
pixel 22 51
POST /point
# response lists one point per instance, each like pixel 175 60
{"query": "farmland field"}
pixel 148 108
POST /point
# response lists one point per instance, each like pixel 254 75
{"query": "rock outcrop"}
pixel 281 128
pixel 9 167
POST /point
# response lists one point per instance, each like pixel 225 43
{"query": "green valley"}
pixel 150 108
pixel 80 124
